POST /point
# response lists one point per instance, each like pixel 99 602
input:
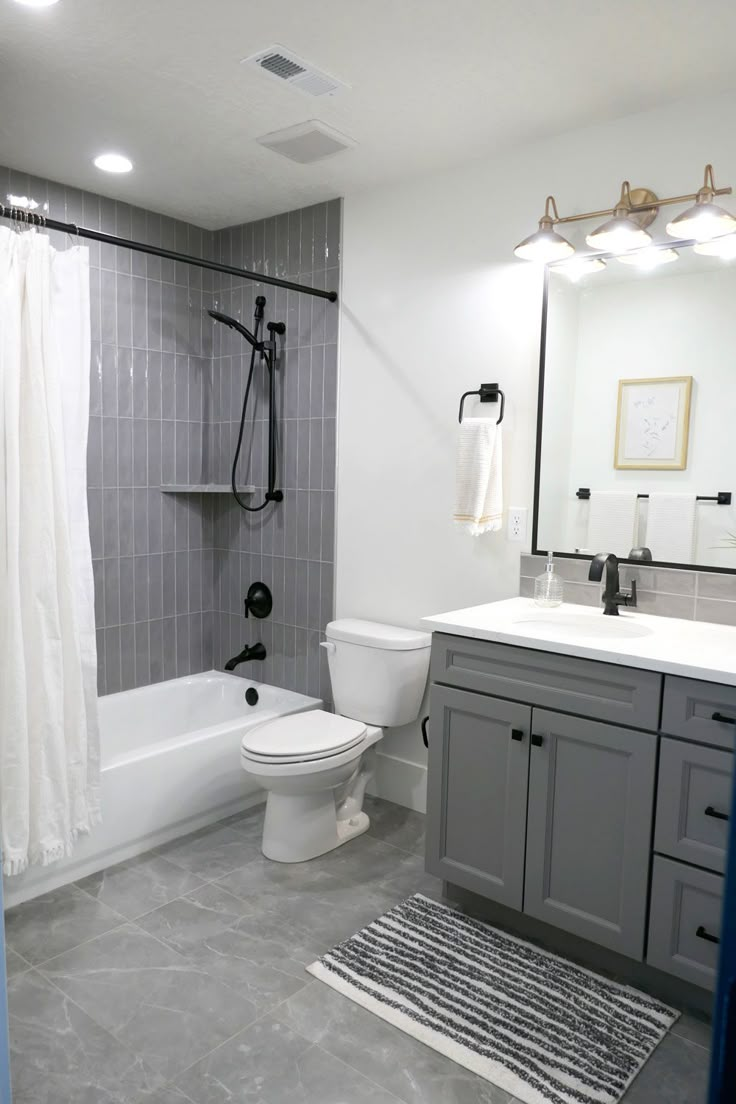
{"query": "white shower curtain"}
pixel 49 740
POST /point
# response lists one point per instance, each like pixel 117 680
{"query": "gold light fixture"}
pixel 705 220
pixel 724 247
pixel 578 267
pixel 651 257
pixel 625 228
pixel 546 244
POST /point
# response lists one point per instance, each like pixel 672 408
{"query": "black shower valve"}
pixel 258 600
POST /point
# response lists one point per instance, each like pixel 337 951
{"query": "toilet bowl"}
pixel 315 766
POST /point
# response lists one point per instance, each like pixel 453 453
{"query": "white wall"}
pixel 434 303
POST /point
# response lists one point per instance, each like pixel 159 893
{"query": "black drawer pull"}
pixel 703 934
pixel 425 737
pixel 517 733
pixel 537 740
pixel 723 718
pixel 711 812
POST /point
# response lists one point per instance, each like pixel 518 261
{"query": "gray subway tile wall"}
pixel 666 592
pixel 291 547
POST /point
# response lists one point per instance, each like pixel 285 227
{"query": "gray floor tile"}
pixel 270 1064
pixel 139 885
pixel 676 1073
pixel 14 964
pixel 150 998
pixel 168 1095
pixel 56 922
pixel 204 927
pixel 59 1055
pixel 696 1028
pixel 211 852
pixel 395 825
pixel 411 1071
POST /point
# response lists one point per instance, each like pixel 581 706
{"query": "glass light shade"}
pixel 113 163
pixel 702 222
pixel 619 235
pixel 544 246
pixel 649 258
pixel 724 247
pixel 578 267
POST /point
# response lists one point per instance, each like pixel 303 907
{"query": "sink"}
pixel 575 626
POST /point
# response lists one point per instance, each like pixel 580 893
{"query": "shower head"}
pixel 235 325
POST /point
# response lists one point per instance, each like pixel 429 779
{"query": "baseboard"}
pixel 400 781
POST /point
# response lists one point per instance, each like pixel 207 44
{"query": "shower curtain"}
pixel 49 740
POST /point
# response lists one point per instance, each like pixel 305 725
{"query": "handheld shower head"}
pixel 260 304
pixel 235 325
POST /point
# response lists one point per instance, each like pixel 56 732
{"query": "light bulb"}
pixel 618 235
pixel 702 222
pixel 578 267
pixel 649 258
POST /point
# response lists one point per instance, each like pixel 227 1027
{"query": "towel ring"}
pixel 488 392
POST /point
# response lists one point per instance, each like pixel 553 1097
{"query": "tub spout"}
pixel 254 651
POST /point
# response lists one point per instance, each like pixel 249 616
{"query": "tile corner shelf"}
pixel 204 488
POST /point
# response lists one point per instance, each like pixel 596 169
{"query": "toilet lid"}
pixel 303 736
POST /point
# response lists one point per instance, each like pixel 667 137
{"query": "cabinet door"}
pixel 589 828
pixel 477 790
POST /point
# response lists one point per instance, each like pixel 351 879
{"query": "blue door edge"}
pixel 722 1088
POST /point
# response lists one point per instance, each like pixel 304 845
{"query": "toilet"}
pixel 316 765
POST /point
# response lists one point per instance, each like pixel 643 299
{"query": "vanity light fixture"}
pixel 625 228
pixel 625 231
pixel 578 267
pixel 113 163
pixel 723 247
pixel 705 220
pixel 651 257
pixel 546 244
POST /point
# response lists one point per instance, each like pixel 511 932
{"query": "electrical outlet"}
pixel 516 524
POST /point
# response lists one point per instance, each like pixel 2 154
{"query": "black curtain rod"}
pixel 30 218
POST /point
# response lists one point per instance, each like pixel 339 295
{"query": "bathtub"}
pixel 170 764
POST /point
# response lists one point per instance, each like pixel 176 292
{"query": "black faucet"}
pixel 613 596
pixel 253 651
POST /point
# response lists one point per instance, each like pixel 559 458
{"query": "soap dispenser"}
pixel 548 586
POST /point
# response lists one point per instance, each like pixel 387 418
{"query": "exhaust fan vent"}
pixel 285 66
pixel 307 142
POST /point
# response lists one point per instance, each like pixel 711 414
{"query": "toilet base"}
pixel 299 827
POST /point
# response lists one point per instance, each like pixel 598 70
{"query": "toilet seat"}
pixel 302 738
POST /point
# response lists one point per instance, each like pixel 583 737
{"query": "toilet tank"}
pixel 378 672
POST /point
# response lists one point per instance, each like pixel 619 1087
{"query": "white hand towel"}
pixel 479 489
pixel 671 527
pixel 611 522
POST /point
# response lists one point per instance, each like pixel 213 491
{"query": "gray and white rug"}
pixel 543 1029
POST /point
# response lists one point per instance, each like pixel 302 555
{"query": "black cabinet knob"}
pixel 537 740
pixel 703 934
pixel 425 736
pixel 711 812
pixel 517 733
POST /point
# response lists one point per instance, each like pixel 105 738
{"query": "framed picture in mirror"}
pixel 653 424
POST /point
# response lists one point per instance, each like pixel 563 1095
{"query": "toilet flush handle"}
pixel 328 646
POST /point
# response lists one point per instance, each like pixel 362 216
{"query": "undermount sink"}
pixel 573 626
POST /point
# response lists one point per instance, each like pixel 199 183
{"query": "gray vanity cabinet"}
pixel 477 794
pixel 589 823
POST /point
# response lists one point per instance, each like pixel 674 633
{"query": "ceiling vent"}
pixel 307 142
pixel 286 67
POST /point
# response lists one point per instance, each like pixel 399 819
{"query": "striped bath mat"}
pixel 543 1029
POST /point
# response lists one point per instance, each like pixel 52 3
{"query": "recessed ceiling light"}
pixel 113 162
pixel 37 3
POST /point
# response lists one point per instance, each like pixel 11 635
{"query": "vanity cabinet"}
pixel 590 796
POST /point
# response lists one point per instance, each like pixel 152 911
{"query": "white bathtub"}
pixel 170 764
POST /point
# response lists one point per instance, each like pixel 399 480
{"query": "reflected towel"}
pixel 479 476
pixel 671 527
pixel 611 522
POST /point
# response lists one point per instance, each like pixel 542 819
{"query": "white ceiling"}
pixel 432 82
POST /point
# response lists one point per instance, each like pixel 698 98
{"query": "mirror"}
pixel 636 411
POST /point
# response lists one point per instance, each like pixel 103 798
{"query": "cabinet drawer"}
pixel 685 910
pixel 622 695
pixel 701 711
pixel 693 800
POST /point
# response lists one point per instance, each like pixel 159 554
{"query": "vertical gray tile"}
pixel 142 655
pixel 127 657
pixel 156 650
pixel 127 590
pixel 125 514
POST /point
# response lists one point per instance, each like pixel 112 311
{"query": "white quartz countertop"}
pixel 694 649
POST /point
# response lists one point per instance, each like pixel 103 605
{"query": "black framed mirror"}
pixel 637 394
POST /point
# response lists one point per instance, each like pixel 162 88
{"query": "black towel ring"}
pixel 488 392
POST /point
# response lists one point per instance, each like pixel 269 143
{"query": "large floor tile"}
pixel 408 1069
pixel 150 997
pixel 56 922
pixel 59 1055
pixel 395 825
pixel 696 1028
pixel 677 1073
pixel 139 885
pixel 168 1095
pixel 270 1064
pixel 211 852
pixel 204 928
pixel 14 964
